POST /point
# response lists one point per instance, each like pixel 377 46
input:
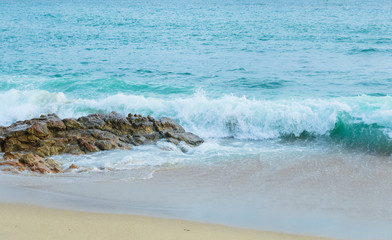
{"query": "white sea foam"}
pixel 143 161
pixel 226 116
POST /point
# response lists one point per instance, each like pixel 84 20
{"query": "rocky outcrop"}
pixel 28 144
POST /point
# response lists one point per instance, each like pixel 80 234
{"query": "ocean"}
pixel 292 98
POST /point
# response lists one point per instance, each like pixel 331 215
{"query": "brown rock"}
pixel 141 125
pixel 12 170
pixel 40 168
pixel 93 121
pixel 72 124
pixel 14 145
pixel 2 140
pixel 73 149
pixel 101 135
pixel 39 130
pixel 14 164
pixel 10 155
pixel 30 159
pixel 187 137
pixel 190 138
pixel 50 147
pixel 105 144
pixel 32 140
pixel 17 129
pixel 173 140
pixel 86 145
pixel 55 123
pixel 117 124
pixel 167 124
pixel 23 139
pixel 53 165
pixel 73 166
pixel 138 140
pixel 37 164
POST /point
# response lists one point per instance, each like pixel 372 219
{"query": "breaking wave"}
pixel 362 122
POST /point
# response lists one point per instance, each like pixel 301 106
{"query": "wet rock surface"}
pixel 28 144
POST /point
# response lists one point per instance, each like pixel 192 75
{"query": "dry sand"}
pixel 31 222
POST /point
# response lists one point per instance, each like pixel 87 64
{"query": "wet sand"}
pixel 329 198
pixel 19 221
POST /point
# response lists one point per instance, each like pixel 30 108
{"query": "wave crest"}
pixel 362 121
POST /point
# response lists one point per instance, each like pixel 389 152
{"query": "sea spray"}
pixel 360 122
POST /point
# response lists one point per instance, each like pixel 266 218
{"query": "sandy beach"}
pixel 206 194
pixel 19 221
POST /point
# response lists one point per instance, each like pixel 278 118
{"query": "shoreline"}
pixel 204 194
pixel 22 221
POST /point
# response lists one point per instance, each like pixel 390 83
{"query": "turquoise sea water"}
pixel 243 69
pixel 262 81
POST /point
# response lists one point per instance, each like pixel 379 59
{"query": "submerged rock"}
pixel 27 144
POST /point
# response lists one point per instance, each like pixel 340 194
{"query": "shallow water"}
pixel 292 98
pixel 335 194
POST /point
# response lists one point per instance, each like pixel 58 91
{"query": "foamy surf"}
pixel 360 121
